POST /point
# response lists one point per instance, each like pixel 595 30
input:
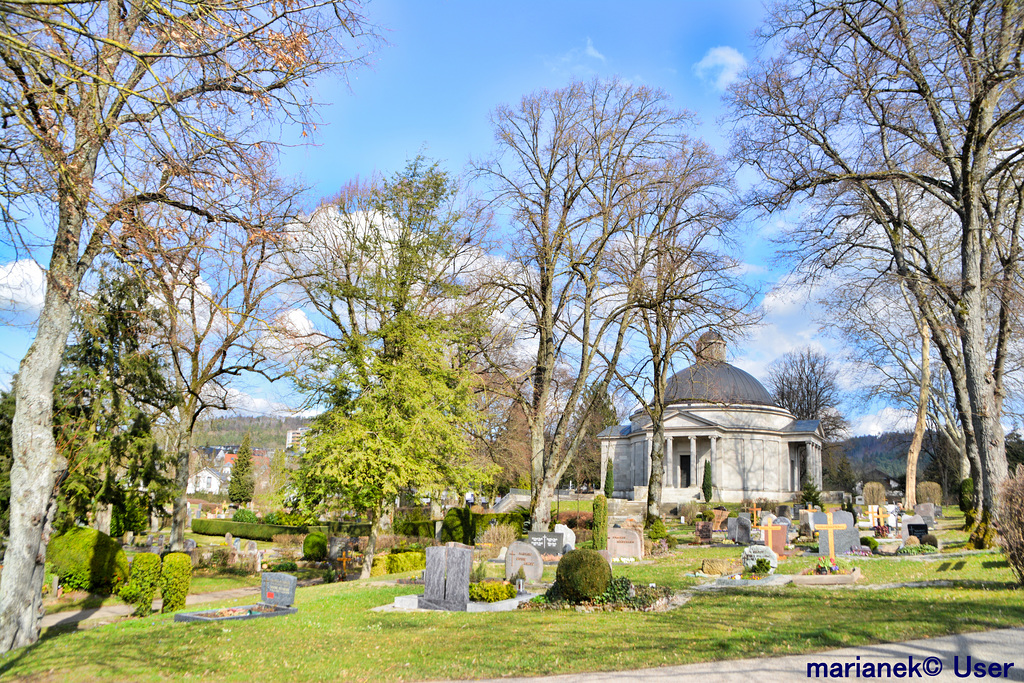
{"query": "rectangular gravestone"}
pixel 446 578
pixel 744 515
pixel 626 543
pixel 546 543
pixel 190 545
pixel 277 588
pixel 785 521
pixel 525 556
pixel 718 524
pixel 784 511
pixel 335 544
pixel 774 536
pixel 731 528
pixel 926 511
pixel 906 522
pixel 838 536
pixel 743 530
pixel 568 537
pixel 704 531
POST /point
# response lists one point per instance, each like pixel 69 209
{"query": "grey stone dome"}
pixel 712 380
pixel 716 382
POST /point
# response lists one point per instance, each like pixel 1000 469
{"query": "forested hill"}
pixel 266 432
pixel 887 452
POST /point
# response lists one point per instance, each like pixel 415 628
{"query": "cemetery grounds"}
pixel 336 636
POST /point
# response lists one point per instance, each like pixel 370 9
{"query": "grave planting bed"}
pixel 809 578
pixel 234 613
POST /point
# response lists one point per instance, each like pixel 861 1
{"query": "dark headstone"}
pixel 704 531
pixel 277 588
pixel 743 530
pixel 906 523
pixel 919 530
pixel 446 578
pixel 546 543
pixel 784 511
pixel 730 529
pixel 523 555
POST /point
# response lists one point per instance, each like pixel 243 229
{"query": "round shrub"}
pixel 929 492
pixel 930 539
pixel 86 559
pixel 874 493
pixel 869 542
pixel 142 583
pixel 657 531
pixel 582 575
pixel 245 516
pixel 315 547
pixel 175 581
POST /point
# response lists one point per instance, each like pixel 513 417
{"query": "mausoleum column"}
pixel 715 474
pixel 693 461
pixel 670 463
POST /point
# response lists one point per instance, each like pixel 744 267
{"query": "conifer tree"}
pixel 242 484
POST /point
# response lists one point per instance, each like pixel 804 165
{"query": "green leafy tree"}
pixel 242 484
pixel 383 266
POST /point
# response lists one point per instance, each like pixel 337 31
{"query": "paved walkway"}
pixel 118 611
pixel 947 658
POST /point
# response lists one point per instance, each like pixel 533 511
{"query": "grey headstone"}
pixel 238 544
pixel 250 546
pixel 743 530
pixel 229 539
pixel 845 539
pixel 625 543
pixel 913 519
pixel 731 528
pixel 568 536
pixel 335 544
pixel 859 500
pixel 190 545
pixel 927 512
pixel 546 543
pixel 277 588
pixel 523 555
pixel 446 577
pixel 786 522
pixel 745 515
pixel 753 553
pixel 784 511
pixel 502 554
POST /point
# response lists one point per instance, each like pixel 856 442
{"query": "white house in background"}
pixel 716 413
pixel 293 437
pixel 209 480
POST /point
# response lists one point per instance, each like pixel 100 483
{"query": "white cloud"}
pixel 885 420
pixel 720 66
pixel 578 62
pixel 22 286
pixel 592 52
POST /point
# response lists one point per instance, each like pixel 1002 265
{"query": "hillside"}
pixel 266 432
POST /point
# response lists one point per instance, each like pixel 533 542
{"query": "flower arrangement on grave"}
pixel 827 565
pixel 882 530
pixel 761 569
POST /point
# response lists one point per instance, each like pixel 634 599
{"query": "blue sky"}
pixel 448 64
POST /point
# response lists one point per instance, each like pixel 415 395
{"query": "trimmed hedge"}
pixel 406 562
pixel 491 591
pixel 245 516
pixel 463 526
pixel 86 559
pixel 175 581
pixel 142 583
pixel 423 528
pixel 266 532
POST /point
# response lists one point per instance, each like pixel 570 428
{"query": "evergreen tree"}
pixel 243 484
pixel 706 486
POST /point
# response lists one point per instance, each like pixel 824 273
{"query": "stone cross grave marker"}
pixel 523 555
pixel 546 543
pixel 753 553
pixel 568 537
pixel 743 530
pixel 625 543
pixel 905 522
pixel 277 588
pixel 704 531
pixel 837 533
pixel 446 578
pixel 774 536
pixel 927 512
pixel 719 521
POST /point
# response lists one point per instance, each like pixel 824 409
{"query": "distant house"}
pixel 293 437
pixel 259 459
pixel 209 480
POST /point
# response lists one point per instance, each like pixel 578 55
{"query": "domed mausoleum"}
pixel 717 413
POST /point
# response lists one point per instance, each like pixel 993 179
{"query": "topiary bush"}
pixel 1011 521
pixel 142 583
pixel 656 529
pixel 175 580
pixel 404 562
pixel 609 483
pixel 245 516
pixel 869 542
pixel 314 547
pixel 86 559
pixel 600 522
pixel 874 493
pixel 491 591
pixel 966 495
pixel 929 492
pixel 582 575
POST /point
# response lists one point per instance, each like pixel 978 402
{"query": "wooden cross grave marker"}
pixel 876 516
pixel 830 528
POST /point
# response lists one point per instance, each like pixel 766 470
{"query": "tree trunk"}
pixel 36 469
pixel 377 518
pixel 656 480
pixel 179 515
pixel 922 413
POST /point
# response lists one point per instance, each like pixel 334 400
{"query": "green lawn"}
pixel 335 636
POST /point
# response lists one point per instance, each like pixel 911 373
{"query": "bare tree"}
pixel 568 163
pixel 804 382
pixel 105 106
pixel 901 124
pixel 682 283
